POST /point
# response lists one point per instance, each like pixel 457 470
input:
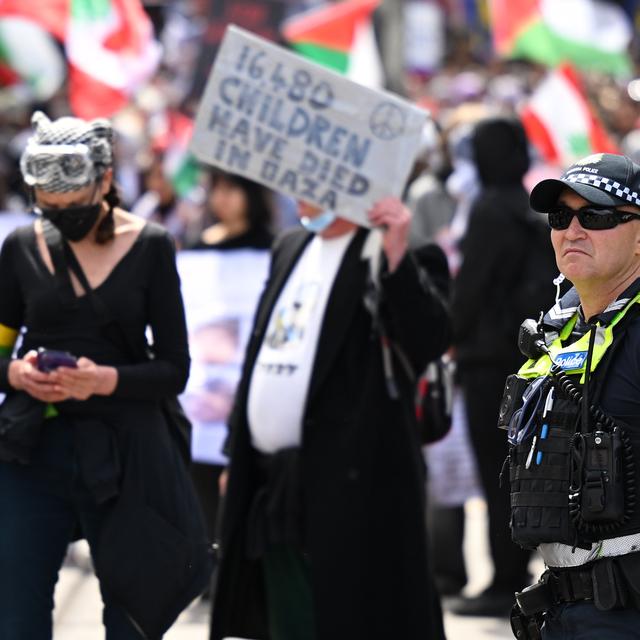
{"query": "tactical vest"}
pixel 542 455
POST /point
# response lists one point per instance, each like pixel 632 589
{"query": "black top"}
pixel 251 239
pixel 621 393
pixel 493 249
pixel 142 290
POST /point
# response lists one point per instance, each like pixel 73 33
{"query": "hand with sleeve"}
pixel 86 380
pixel 24 376
pixel 395 219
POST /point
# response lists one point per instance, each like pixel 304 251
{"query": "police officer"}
pixel 573 414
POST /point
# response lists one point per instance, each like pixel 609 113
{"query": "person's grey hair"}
pixel 96 134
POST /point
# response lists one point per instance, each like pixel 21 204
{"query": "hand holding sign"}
pixel 395 219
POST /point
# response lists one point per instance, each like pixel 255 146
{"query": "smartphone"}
pixel 48 360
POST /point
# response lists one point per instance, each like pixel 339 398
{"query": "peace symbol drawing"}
pixel 387 121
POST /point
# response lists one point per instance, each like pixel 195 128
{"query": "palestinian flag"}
pixel 559 121
pixel 339 36
pixel 111 52
pixel 172 140
pixel 50 14
pixel 109 47
pixel 591 34
pixel 31 65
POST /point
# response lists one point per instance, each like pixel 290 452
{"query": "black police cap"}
pixel 601 178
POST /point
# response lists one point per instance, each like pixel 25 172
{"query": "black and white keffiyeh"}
pixel 95 136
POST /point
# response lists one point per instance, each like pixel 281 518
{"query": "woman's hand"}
pixel 86 380
pixel 395 220
pixel 24 376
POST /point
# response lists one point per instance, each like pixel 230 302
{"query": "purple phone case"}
pixel 49 360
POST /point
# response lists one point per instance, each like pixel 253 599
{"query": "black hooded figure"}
pixel 485 334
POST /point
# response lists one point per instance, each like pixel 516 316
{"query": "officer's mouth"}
pixel 572 251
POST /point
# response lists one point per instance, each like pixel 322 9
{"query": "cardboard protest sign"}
pixel 303 130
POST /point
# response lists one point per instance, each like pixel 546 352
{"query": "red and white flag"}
pixel 109 46
pixel 560 122
pixel 111 52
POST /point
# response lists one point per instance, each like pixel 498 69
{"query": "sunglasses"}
pixel 591 217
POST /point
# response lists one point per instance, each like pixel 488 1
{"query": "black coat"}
pixel 494 250
pixel 362 470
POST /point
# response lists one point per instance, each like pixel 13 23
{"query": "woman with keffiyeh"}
pixel 61 478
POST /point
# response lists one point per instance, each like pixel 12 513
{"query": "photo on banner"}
pixel 220 291
pixel 303 130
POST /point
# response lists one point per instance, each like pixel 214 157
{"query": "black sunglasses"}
pixel 591 217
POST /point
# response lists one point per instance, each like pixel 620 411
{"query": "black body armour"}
pixel 566 486
pixel 540 477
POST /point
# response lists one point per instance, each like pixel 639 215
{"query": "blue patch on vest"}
pixel 572 360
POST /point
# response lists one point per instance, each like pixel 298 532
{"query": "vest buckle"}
pixel 593 492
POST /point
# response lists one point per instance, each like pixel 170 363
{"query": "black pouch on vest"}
pixel 602 496
pixel 539 473
pixel 511 399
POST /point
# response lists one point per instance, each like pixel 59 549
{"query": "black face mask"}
pixel 74 223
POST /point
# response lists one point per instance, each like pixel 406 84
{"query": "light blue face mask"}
pixel 318 224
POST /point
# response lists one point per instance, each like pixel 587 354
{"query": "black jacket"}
pixel 494 249
pixel 362 470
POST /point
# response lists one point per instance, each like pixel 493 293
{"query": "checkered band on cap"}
pixel 606 184
pixel 96 134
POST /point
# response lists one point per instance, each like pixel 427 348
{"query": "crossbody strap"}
pixel 64 258
pixel 372 253
pixel 53 239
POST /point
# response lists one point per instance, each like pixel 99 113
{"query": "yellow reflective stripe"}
pixel 541 366
pixel 535 368
pixel 8 336
pixel 568 328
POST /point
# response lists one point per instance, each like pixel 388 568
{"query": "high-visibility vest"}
pixel 540 468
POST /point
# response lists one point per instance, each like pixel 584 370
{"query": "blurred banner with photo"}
pixel 304 130
pixel 220 291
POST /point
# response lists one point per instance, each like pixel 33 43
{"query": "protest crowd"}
pixel 330 368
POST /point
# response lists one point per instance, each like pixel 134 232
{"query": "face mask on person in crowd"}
pixel 74 223
pixel 319 223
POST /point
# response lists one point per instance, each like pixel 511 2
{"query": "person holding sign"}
pixel 323 535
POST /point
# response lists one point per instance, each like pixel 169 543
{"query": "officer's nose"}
pixel 575 229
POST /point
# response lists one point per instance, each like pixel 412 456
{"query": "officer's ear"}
pixel 637 230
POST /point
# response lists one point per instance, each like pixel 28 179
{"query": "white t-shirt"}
pixel 281 375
